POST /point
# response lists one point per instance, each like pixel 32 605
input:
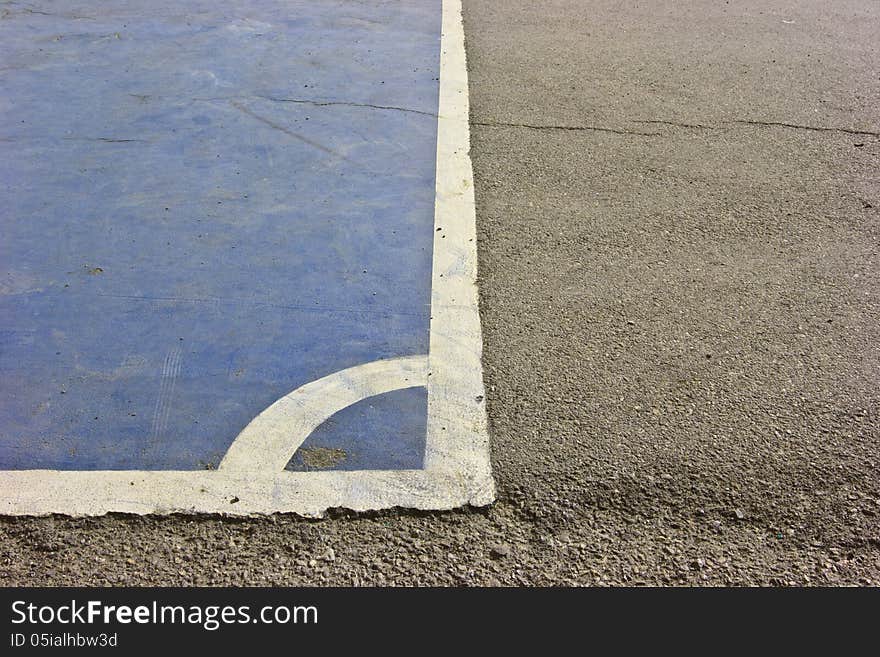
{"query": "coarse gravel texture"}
pixel 678 210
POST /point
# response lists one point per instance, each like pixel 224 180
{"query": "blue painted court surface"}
pixel 204 207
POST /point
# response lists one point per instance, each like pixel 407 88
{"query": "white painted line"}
pixel 310 494
pixel 458 438
pixel 252 479
pixel 268 442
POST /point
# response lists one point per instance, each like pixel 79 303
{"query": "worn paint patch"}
pixel 322 458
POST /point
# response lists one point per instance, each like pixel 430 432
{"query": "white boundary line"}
pixel 457 467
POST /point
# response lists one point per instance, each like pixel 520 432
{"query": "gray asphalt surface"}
pixel 678 210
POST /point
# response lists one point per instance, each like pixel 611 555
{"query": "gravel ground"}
pixel 678 213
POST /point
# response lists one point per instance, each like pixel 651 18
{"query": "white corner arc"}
pixel 270 440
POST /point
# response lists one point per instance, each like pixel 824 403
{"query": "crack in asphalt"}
pixel 692 126
pixel 760 124
pixel 570 128
pixel 781 124
pixel 577 128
